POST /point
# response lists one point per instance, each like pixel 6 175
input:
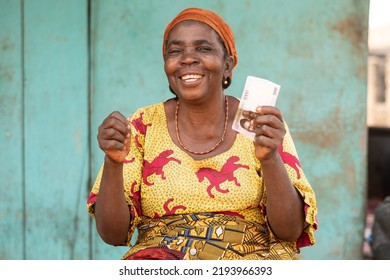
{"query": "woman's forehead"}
pixel 191 29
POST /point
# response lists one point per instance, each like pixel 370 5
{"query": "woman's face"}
pixel 195 62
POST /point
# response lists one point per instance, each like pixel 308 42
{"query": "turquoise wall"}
pixel 65 65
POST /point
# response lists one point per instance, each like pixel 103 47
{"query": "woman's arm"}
pixel 112 213
pixel 285 208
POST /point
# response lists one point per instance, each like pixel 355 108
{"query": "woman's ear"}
pixel 229 62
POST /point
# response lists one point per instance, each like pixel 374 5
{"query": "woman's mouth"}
pixel 190 78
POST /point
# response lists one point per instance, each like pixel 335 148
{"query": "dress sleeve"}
pixel 291 161
pixel 132 175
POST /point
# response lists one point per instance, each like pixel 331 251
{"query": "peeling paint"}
pixel 6 44
pixel 354 30
pixel 361 71
pixel 6 73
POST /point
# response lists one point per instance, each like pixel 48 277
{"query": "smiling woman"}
pixel 192 186
pixel 196 62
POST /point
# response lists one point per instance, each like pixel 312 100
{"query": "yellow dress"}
pixel 213 208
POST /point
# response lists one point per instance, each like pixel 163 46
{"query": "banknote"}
pixel 257 92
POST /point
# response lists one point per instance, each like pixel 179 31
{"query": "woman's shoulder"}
pixel 148 112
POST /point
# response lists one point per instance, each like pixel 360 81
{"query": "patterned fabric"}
pixel 209 237
pixel 215 209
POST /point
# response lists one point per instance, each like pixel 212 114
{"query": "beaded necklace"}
pixel 216 145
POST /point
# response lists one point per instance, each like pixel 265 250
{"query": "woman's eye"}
pixel 204 49
pixel 174 51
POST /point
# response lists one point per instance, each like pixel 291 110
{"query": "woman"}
pixel 192 186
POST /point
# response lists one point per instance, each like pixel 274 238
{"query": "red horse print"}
pixel 290 160
pixel 216 178
pixel 157 165
pixel 140 127
pixel 136 195
pixel 171 211
pixel 92 198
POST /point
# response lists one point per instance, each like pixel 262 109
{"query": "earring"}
pixel 225 82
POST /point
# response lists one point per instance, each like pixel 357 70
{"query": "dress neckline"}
pixel 164 120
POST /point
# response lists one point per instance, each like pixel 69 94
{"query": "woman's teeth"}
pixel 191 78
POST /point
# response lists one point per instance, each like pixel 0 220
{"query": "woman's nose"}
pixel 189 57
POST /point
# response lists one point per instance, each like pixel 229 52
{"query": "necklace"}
pixel 216 145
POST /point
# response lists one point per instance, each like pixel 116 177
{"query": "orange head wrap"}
pixel 213 20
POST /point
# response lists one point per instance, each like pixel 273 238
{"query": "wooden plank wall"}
pixel 46 159
pixel 11 137
pixel 56 128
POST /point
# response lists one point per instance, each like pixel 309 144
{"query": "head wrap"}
pixel 213 20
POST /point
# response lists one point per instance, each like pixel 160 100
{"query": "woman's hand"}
pixel 114 137
pixel 269 130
